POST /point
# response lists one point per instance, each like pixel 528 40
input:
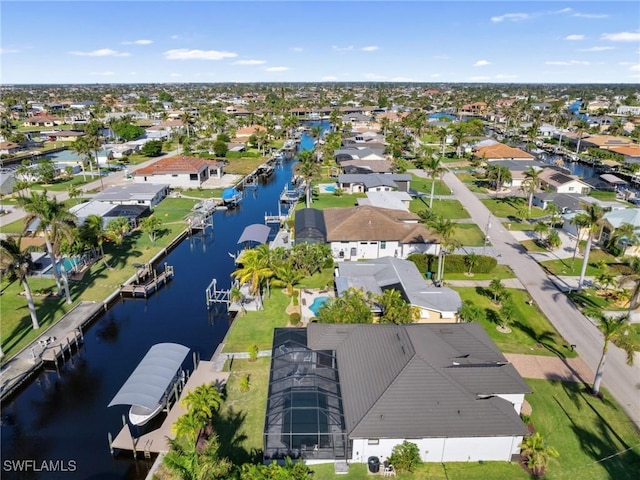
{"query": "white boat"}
pixel 148 388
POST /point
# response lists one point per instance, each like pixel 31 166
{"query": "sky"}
pixel 319 41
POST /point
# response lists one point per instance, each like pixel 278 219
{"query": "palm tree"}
pixel 288 275
pixel 117 228
pixel 615 329
pixel 254 270
pixel 444 228
pixel 471 260
pixel 580 221
pixel 82 147
pixel 443 133
pixel 54 222
pixel 17 265
pixel 553 239
pixel 605 280
pixel 541 229
pixel 395 308
pixel 308 169
pixel 626 233
pixel 469 312
pixel 497 289
pixel 537 453
pixel 507 311
pixel 203 401
pixel 632 276
pixel 554 213
pixel 435 168
pixel 593 219
pixel 94 142
pixel 530 185
pixel 93 229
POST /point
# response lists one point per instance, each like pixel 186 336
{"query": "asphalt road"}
pixel 621 380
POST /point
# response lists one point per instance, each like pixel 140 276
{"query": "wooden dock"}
pixel 156 441
pixel 152 286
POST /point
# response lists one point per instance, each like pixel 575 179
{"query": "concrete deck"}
pixel 53 343
pixel 156 440
pixel 306 300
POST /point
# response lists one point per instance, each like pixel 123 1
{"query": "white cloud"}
pixel 175 37
pixel 276 69
pixel 8 50
pixel 591 15
pixel 625 63
pixel 186 54
pixel 370 48
pixel 102 52
pixel 574 37
pixel 557 12
pixel 297 49
pixel 137 42
pixel 329 78
pixel 435 75
pixel 103 74
pixel 621 37
pixel 596 49
pixel 481 63
pixel 374 76
pixel 571 62
pixel 635 68
pixel 175 75
pixel 133 73
pixel 402 79
pixel 249 62
pixel 513 17
pixel 479 78
pixel 336 48
pixel 501 76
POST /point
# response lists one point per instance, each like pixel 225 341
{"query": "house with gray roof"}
pixel 350 392
pixel 358 153
pixel 380 274
pixel 148 194
pixel 392 200
pixel 374 182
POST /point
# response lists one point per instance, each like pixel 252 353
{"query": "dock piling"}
pixel 110 439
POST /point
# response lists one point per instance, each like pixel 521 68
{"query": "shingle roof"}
pixel 370 180
pixel 372 223
pixel 500 150
pixel 425 380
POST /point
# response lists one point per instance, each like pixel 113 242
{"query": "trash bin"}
pixel 374 464
pixel 428 275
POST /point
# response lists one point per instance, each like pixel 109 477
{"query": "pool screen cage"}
pixel 304 409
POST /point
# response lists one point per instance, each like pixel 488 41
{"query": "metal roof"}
pixel 310 226
pixel 255 233
pixel 148 383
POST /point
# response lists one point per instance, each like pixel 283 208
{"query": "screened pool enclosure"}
pixel 304 416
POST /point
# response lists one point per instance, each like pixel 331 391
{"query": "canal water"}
pixel 64 418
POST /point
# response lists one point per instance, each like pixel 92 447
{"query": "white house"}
pixel 179 172
pixel 374 182
pixel 134 194
pixel 358 390
pixel 553 180
pixel 365 232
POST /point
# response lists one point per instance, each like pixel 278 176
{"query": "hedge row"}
pixel 453 263
pixel 243 154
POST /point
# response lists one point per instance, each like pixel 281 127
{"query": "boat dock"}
pixel 51 347
pixel 145 289
pixel 156 441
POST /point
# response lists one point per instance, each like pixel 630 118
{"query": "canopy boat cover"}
pixel 147 385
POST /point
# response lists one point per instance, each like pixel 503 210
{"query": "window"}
pixel 383 245
pixel 174 175
pixel 193 176
pixel 373 441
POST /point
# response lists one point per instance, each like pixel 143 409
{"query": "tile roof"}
pixel 628 150
pixel 424 380
pixel 500 150
pixel 174 165
pixel 374 224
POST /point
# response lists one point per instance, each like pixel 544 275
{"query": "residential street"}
pixel 622 380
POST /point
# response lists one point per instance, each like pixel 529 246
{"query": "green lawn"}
pixel 586 431
pixel 533 246
pixel 433 471
pixel 602 195
pixel 589 298
pixel 321 279
pixel 323 201
pixel 568 267
pixel 451 209
pixel 243 166
pixel 531 332
pixel 469 235
pixel 13 227
pixel 507 207
pixel 423 185
pixel 501 271
pixel 174 209
pixel 257 327
pixel 241 422
pixel 518 226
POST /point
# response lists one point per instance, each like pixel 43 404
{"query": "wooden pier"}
pixel 152 286
pixel 155 441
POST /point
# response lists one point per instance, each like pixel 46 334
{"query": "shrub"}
pixel 294 318
pixel 420 260
pixel 245 383
pixel 456 264
pixel 253 352
pixel 242 155
pixel 405 457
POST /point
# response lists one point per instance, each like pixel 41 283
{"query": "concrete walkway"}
pixel 507 282
pixel 622 380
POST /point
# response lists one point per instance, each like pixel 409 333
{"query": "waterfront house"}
pixel 389 200
pixel 179 172
pixel 134 194
pixel 43 121
pixel 614 219
pixel 631 153
pixel 351 392
pixel 354 152
pixel 436 305
pixel 364 232
pixel 553 180
pixel 9 148
pixel 500 151
pixel 374 182
pixel 63 135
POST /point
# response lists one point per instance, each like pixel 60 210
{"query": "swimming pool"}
pixel 317 304
pixel 326 188
pixel 68 264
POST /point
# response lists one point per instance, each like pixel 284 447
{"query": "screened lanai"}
pixel 304 409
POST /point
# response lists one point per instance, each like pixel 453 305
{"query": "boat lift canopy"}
pixel 255 233
pixel 148 383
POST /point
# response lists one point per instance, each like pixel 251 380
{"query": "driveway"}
pixel 622 380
